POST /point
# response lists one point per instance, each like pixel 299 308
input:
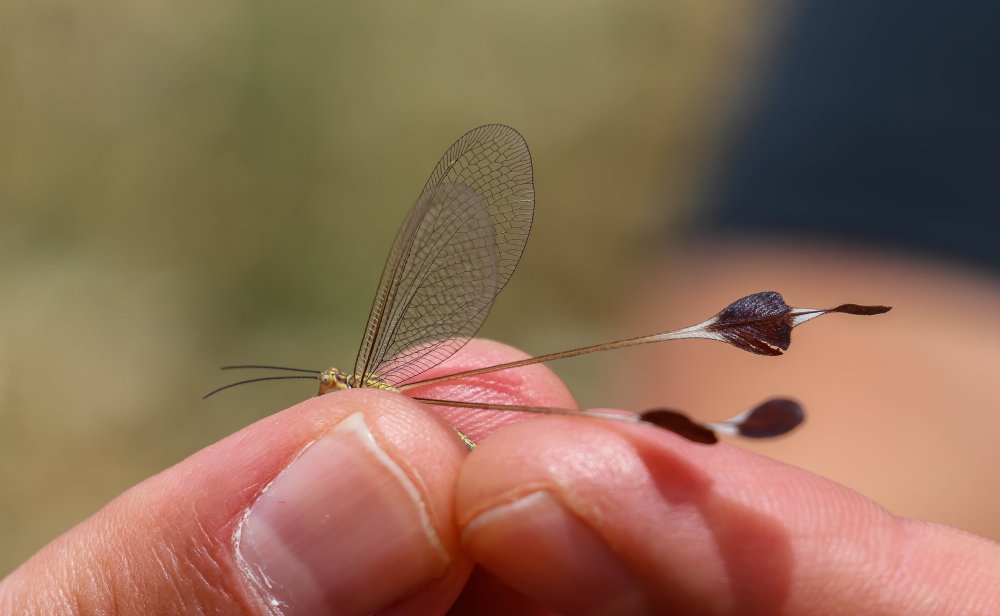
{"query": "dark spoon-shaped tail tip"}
pixel 861 310
pixel 680 424
pixel 771 418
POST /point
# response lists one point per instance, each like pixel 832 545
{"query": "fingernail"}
pixel 558 561
pixel 343 529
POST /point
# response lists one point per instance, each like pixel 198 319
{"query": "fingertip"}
pixel 559 561
pixel 351 522
pixel 372 527
pixel 699 527
pixel 533 385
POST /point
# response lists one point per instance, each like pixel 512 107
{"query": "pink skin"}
pixel 566 514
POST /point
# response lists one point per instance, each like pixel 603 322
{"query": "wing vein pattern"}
pixel 455 251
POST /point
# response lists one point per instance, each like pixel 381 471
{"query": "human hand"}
pixel 366 501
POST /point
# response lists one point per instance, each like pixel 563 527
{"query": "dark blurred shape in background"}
pixel 880 123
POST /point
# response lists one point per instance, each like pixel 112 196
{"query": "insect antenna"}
pixel 259 379
pixel 263 367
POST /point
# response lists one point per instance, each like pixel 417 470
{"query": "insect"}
pixel 456 250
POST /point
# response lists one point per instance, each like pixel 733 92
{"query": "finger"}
pixel 534 385
pixel 343 504
pixel 605 519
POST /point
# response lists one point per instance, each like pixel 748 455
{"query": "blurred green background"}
pixel 188 185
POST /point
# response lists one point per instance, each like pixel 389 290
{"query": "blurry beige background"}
pixel 186 186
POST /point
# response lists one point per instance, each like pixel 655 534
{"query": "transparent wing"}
pixel 454 253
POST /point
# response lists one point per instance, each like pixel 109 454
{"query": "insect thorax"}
pixel 333 379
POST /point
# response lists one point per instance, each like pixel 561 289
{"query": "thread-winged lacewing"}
pixel 458 247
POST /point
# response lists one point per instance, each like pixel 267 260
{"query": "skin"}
pixel 594 517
